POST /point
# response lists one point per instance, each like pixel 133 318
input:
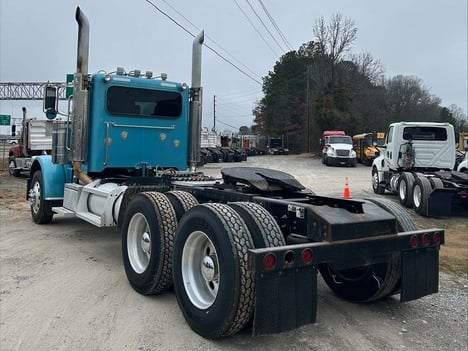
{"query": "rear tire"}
pixel 148 231
pixel 214 289
pixel 421 191
pixel 436 183
pixel 181 201
pixel 375 281
pixel 263 228
pixel 405 188
pixel 41 210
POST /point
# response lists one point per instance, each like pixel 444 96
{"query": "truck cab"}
pixel 137 122
pixel 419 146
pixel 118 125
pixel 35 140
pixel 337 149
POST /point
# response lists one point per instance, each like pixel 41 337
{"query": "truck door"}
pixel 389 150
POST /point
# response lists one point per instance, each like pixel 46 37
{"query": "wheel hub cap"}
pixel 35 197
pixel 208 268
pixel 146 243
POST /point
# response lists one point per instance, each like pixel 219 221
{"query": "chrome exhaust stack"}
pixel 80 98
pixel 195 103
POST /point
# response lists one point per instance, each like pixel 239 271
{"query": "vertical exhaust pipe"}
pixel 80 98
pixel 24 135
pixel 196 102
pixel 83 42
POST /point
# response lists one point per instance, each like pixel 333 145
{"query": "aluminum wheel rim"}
pixel 402 190
pixel 35 197
pixel 375 180
pixel 11 167
pixel 417 196
pixel 139 243
pixel 200 270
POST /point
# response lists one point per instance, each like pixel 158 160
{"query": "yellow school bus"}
pixel 365 147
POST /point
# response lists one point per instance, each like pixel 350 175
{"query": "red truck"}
pixel 35 140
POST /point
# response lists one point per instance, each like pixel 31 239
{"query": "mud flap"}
pixel 419 273
pixel 439 202
pixel 285 300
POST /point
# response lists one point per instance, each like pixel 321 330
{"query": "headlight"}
pixel 353 153
pixel 331 152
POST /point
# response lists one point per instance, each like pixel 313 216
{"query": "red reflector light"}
pixel 436 238
pixel 425 239
pixel 307 256
pixel 414 241
pixel 269 261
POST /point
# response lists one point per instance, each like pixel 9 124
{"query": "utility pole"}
pixel 308 111
pixel 214 113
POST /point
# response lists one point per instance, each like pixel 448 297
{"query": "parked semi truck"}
pixel 242 251
pixel 417 163
pixel 35 139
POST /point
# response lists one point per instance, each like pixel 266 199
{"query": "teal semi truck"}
pixel 246 250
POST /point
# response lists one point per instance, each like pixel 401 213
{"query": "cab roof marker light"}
pixel 120 71
pixel 148 74
pixel 135 73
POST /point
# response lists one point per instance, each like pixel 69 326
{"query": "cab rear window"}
pixel 425 133
pixel 143 102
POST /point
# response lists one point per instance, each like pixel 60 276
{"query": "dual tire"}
pixel 204 256
pixel 415 191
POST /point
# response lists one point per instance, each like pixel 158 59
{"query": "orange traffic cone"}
pixel 346 194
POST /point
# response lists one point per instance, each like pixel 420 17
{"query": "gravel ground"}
pixel 63 287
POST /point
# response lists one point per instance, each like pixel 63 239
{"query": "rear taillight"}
pixel 414 241
pixel 425 239
pixel 269 261
pixel 436 238
pixel 307 256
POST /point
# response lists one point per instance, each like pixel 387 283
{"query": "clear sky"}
pixel 424 38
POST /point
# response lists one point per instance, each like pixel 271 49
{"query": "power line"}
pixel 214 42
pixel 258 32
pixel 210 48
pixel 243 93
pixel 226 124
pixel 273 22
pixel 264 26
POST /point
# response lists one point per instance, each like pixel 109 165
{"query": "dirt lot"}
pixel 63 287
